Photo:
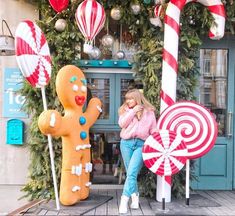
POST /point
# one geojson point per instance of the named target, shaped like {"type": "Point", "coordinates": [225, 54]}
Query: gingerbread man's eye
{"type": "Point", "coordinates": [83, 88]}
{"type": "Point", "coordinates": [73, 79]}
{"type": "Point", "coordinates": [84, 82]}
{"type": "Point", "coordinates": [75, 88]}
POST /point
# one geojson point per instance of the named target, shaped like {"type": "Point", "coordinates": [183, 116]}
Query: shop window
{"type": "Point", "coordinates": [213, 84]}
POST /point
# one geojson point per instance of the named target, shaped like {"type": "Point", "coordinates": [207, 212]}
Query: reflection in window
{"type": "Point", "coordinates": [106, 158]}
{"type": "Point", "coordinates": [126, 84]}
{"type": "Point", "coordinates": [100, 88]}
{"type": "Point", "coordinates": [213, 84]}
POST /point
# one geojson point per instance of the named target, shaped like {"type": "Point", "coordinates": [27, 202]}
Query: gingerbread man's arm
{"type": "Point", "coordinates": [93, 111]}
{"type": "Point", "coordinates": [51, 122]}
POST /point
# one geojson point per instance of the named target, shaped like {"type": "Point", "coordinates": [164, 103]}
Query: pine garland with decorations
{"type": "Point", "coordinates": [65, 41]}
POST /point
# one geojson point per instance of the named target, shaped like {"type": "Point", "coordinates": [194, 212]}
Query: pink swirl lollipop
{"type": "Point", "coordinates": [33, 54]}
{"type": "Point", "coordinates": [164, 153]}
{"type": "Point", "coordinates": [195, 124]}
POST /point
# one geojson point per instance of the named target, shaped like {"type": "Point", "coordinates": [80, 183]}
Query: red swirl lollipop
{"type": "Point", "coordinates": [164, 153]}
{"type": "Point", "coordinates": [195, 124]}
{"type": "Point", "coordinates": [33, 54]}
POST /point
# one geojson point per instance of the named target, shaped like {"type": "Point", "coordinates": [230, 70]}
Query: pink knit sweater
{"type": "Point", "coordinates": [134, 128]}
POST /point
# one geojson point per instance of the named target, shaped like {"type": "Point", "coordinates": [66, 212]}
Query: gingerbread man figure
{"type": "Point", "coordinates": [73, 127]}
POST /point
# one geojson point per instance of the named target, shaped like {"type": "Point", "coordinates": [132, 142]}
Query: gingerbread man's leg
{"type": "Point", "coordinates": [70, 187]}
{"type": "Point", "coordinates": [71, 177]}
{"type": "Point", "coordinates": [85, 178]}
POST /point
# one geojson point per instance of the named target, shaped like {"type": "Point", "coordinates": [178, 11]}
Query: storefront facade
{"type": "Point", "coordinates": [109, 80]}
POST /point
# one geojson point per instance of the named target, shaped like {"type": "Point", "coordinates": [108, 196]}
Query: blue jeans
{"type": "Point", "coordinates": [131, 150]}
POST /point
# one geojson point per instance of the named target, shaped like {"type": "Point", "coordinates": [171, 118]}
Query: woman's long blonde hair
{"type": "Point", "coordinates": [139, 98]}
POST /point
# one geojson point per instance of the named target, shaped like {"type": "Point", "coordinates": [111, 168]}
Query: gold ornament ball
{"type": "Point", "coordinates": [60, 25]}
{"type": "Point", "coordinates": [116, 13]}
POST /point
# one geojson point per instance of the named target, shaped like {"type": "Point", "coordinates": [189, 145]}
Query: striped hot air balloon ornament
{"type": "Point", "coordinates": [90, 17]}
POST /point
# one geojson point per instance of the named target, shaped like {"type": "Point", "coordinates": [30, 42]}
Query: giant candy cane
{"type": "Point", "coordinates": [170, 58]}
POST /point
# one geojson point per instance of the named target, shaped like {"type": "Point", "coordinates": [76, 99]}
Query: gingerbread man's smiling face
{"type": "Point", "coordinates": [71, 87]}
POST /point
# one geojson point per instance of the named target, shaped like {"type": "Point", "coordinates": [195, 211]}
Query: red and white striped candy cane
{"type": "Point", "coordinates": [170, 54]}
{"type": "Point", "coordinates": [171, 38]}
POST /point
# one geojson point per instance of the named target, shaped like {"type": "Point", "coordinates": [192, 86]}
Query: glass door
{"type": "Point", "coordinates": [104, 135]}
{"type": "Point", "coordinates": [216, 92]}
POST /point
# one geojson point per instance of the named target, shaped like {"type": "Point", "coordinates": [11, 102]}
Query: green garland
{"type": "Point", "coordinates": [147, 66]}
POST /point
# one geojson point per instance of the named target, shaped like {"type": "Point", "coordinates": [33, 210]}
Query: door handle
{"type": "Point", "coordinates": [229, 124]}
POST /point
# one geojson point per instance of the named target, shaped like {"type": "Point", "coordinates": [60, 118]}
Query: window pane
{"type": "Point", "coordinates": [100, 88]}
{"type": "Point", "coordinates": [213, 84]}
{"type": "Point", "coordinates": [126, 84]}
{"type": "Point", "coordinates": [108, 167]}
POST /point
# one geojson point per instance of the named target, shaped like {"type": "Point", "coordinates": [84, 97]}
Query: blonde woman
{"type": "Point", "coordinates": [137, 121]}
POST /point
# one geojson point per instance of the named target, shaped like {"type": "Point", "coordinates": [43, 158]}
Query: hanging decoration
{"type": "Point", "coordinates": [95, 53]}
{"type": "Point", "coordinates": [59, 5]}
{"type": "Point", "coordinates": [191, 20]}
{"type": "Point", "coordinates": [107, 40]}
{"type": "Point", "coordinates": [158, 15]}
{"type": "Point", "coordinates": [116, 13]}
{"type": "Point", "coordinates": [159, 11]}
{"type": "Point", "coordinates": [60, 25]}
{"type": "Point", "coordinates": [135, 8]}
{"type": "Point", "coordinates": [120, 54]}
{"type": "Point", "coordinates": [90, 17]}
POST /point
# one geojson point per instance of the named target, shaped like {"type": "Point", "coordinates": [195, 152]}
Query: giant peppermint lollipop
{"type": "Point", "coordinates": [165, 154]}
{"type": "Point", "coordinates": [33, 54]}
{"type": "Point", "coordinates": [34, 61]}
{"type": "Point", "coordinates": [195, 124]}
{"type": "Point", "coordinates": [197, 127]}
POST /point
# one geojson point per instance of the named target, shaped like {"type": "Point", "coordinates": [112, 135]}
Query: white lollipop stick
{"type": "Point", "coordinates": [187, 181]}
{"type": "Point", "coordinates": [163, 194]}
{"type": "Point", "coordinates": [51, 154]}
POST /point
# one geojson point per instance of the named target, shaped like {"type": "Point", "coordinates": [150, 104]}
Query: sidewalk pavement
{"type": "Point", "coordinates": [9, 198]}
{"type": "Point", "coordinates": [201, 203]}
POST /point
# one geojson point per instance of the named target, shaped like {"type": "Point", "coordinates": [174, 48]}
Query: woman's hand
{"type": "Point", "coordinates": [138, 108]}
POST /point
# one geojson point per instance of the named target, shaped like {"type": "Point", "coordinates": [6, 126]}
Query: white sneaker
{"type": "Point", "coordinates": [135, 201]}
{"type": "Point", "coordinates": [123, 204]}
